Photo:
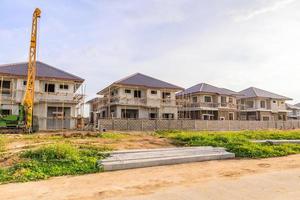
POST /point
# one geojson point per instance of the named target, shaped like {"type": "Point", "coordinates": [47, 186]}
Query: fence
{"type": "Point", "coordinates": [223, 125]}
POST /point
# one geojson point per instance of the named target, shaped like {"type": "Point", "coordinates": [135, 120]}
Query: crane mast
{"type": "Point", "coordinates": [28, 101]}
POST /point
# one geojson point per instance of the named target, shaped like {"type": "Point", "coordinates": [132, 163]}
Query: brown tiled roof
{"type": "Point", "coordinates": [253, 92]}
{"type": "Point", "coordinates": [207, 88]}
{"type": "Point", "coordinates": [42, 71]}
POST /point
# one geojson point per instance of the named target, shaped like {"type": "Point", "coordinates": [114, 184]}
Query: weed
{"type": "Point", "coordinates": [238, 142]}
{"type": "Point", "coordinates": [53, 160]}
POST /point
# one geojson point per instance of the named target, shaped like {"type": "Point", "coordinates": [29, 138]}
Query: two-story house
{"type": "Point", "coordinates": [258, 104]}
{"type": "Point", "coordinates": [294, 111]}
{"type": "Point", "coordinates": [136, 97]}
{"type": "Point", "coordinates": [207, 102]}
{"type": "Point", "coordinates": [56, 100]}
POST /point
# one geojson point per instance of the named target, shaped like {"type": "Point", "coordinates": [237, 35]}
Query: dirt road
{"type": "Point", "coordinates": [275, 178]}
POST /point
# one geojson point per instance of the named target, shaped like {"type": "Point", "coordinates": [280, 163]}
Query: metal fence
{"type": "Point", "coordinates": [222, 125]}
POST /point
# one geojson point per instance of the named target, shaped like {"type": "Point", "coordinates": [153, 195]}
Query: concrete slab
{"type": "Point", "coordinates": [155, 157]}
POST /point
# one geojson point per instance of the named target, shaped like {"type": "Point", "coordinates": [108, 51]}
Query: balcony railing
{"type": "Point", "coordinates": [254, 107]}
{"type": "Point", "coordinates": [206, 105]}
{"type": "Point", "coordinates": [150, 102]}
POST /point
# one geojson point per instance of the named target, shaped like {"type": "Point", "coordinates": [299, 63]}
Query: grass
{"type": "Point", "coordinates": [53, 160]}
{"type": "Point", "coordinates": [2, 144]}
{"type": "Point", "coordinates": [112, 135]}
{"type": "Point", "coordinates": [238, 142]}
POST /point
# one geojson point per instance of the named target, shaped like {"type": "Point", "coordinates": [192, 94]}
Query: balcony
{"type": "Point", "coordinates": [206, 105]}
{"type": "Point", "coordinates": [252, 108]}
{"type": "Point", "coordinates": [128, 101]}
{"type": "Point", "coordinates": [149, 102]}
{"type": "Point", "coordinates": [51, 97]}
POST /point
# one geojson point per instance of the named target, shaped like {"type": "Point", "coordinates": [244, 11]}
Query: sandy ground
{"type": "Point", "coordinates": [274, 178]}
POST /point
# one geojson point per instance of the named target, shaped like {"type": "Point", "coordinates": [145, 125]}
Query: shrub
{"type": "Point", "coordinates": [53, 160]}
{"type": "Point", "coordinates": [61, 152]}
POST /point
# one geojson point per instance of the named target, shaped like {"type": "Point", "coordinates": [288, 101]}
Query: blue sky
{"type": "Point", "coordinates": [227, 43]}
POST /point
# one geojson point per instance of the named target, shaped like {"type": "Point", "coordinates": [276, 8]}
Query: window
{"type": "Point", "coordinates": [207, 99]}
{"type": "Point", "coordinates": [274, 101]}
{"type": "Point", "coordinates": [230, 100]}
{"type": "Point", "coordinates": [231, 116]}
{"type": "Point", "coordinates": [127, 91]}
{"type": "Point", "coordinates": [250, 104]}
{"type": "Point", "coordinates": [63, 87]}
{"type": "Point", "coordinates": [168, 116]}
{"type": "Point", "coordinates": [49, 87]}
{"type": "Point", "coordinates": [114, 92]}
{"type": "Point", "coordinates": [137, 93]}
{"type": "Point", "coordinates": [262, 104]}
{"type": "Point", "coordinates": [130, 113]}
{"type": "Point", "coordinates": [223, 99]}
{"type": "Point", "coordinates": [266, 118]}
{"type": "Point", "coordinates": [195, 99]}
{"type": "Point", "coordinates": [153, 115]}
{"type": "Point", "coordinates": [5, 112]}
{"type": "Point", "coordinates": [24, 83]}
{"type": "Point", "coordinates": [5, 87]}
{"type": "Point", "coordinates": [153, 92]}
{"type": "Point", "coordinates": [166, 95]}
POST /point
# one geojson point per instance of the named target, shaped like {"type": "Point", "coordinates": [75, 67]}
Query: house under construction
{"type": "Point", "coordinates": [136, 97]}
{"type": "Point", "coordinates": [59, 97]}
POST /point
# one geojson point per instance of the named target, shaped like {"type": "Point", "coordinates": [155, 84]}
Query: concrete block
{"type": "Point", "coordinates": [156, 157]}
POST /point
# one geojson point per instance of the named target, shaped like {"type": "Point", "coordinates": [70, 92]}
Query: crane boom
{"type": "Point", "coordinates": [28, 101]}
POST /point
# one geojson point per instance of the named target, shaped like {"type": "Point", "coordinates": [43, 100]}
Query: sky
{"type": "Point", "coordinates": [227, 43]}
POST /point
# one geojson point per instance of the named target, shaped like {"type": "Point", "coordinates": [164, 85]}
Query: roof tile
{"type": "Point", "coordinates": [206, 88]}
{"type": "Point", "coordinates": [42, 71]}
{"type": "Point", "coordinates": [253, 92]}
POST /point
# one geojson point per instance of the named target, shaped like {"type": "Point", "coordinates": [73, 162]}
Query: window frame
{"type": "Point", "coordinates": [153, 92]}
{"type": "Point", "coordinates": [195, 99]}
{"type": "Point", "coordinates": [166, 95]}
{"type": "Point", "coordinates": [46, 87]}
{"type": "Point", "coordinates": [137, 94]}
{"type": "Point", "coordinates": [264, 103]}
{"type": "Point", "coordinates": [127, 91]}
{"type": "Point", "coordinates": [63, 86]}
{"type": "Point", "coordinates": [206, 96]}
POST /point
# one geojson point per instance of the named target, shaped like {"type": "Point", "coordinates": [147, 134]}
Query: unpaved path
{"type": "Point", "coordinates": [274, 178]}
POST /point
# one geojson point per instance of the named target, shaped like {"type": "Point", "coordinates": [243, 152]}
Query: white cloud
{"type": "Point", "coordinates": [270, 7]}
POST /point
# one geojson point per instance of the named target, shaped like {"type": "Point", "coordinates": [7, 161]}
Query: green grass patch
{"type": "Point", "coordinates": [53, 160]}
{"type": "Point", "coordinates": [112, 135]}
{"type": "Point", "coordinates": [238, 142]}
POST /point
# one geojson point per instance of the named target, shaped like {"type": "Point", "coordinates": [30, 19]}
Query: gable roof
{"type": "Point", "coordinates": [253, 92]}
{"type": "Point", "coordinates": [292, 107]}
{"type": "Point", "coordinates": [92, 100]}
{"type": "Point", "coordinates": [143, 80]}
{"type": "Point", "coordinates": [207, 88]}
{"type": "Point", "coordinates": [298, 105]}
{"type": "Point", "coordinates": [42, 71]}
